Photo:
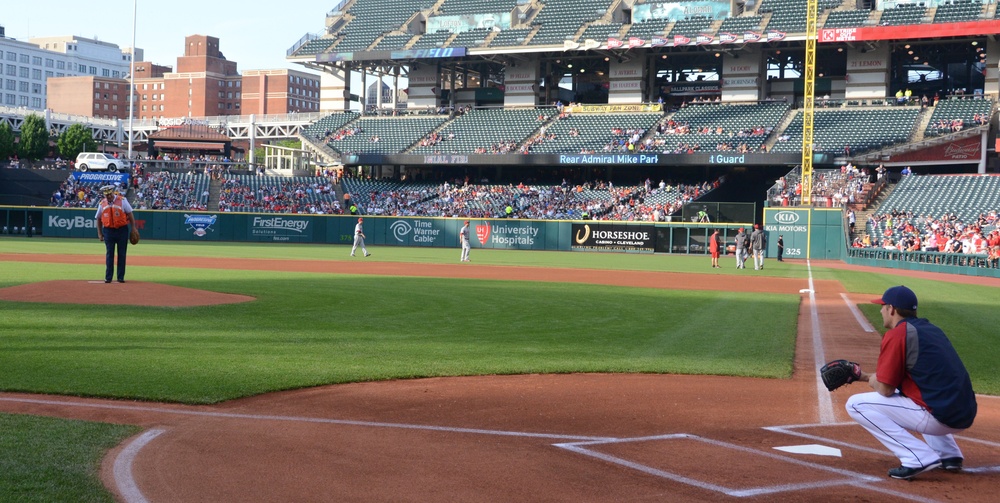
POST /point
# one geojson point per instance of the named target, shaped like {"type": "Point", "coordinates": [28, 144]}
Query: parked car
{"type": "Point", "coordinates": [97, 161]}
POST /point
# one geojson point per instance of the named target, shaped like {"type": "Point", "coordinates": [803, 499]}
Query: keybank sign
{"type": "Point", "coordinates": [70, 223]}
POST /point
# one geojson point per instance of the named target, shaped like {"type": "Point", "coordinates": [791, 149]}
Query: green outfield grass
{"type": "Point", "coordinates": [312, 329]}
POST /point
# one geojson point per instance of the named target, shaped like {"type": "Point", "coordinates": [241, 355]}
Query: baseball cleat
{"type": "Point", "coordinates": [368, 254]}
{"type": "Point", "coordinates": [907, 473]}
{"type": "Point", "coordinates": [952, 464]}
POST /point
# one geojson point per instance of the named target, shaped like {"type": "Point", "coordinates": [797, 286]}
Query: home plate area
{"type": "Point", "coordinates": [790, 458]}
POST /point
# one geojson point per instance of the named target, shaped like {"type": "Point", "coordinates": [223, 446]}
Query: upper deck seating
{"type": "Point", "coordinates": [858, 129]}
{"type": "Point", "coordinates": [954, 114]}
{"type": "Point", "coordinates": [384, 135]}
{"type": "Point", "coordinates": [589, 133]}
{"type": "Point", "coordinates": [717, 126]}
{"type": "Point", "coordinates": [482, 131]}
{"type": "Point", "coordinates": [957, 11]}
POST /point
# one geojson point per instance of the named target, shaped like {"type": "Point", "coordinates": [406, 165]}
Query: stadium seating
{"type": "Point", "coordinates": [481, 129]}
{"type": "Point", "coordinates": [965, 196]}
{"type": "Point", "coordinates": [316, 46]}
{"type": "Point", "coordinates": [739, 25]}
{"type": "Point", "coordinates": [512, 37]}
{"type": "Point", "coordinates": [965, 110]}
{"type": "Point", "coordinates": [788, 16]}
{"type": "Point", "coordinates": [278, 194]}
{"type": "Point", "coordinates": [432, 40]}
{"type": "Point", "coordinates": [736, 121]}
{"type": "Point", "coordinates": [691, 26]}
{"type": "Point", "coordinates": [648, 29]}
{"type": "Point", "coordinates": [601, 32]}
{"type": "Point", "coordinates": [559, 20]}
{"type": "Point", "coordinates": [329, 124]}
{"type": "Point", "coordinates": [172, 191]}
{"type": "Point", "coordinates": [393, 42]}
{"type": "Point", "coordinates": [591, 133]}
{"type": "Point", "coordinates": [957, 11]}
{"type": "Point", "coordinates": [903, 14]}
{"type": "Point", "coordinates": [847, 18]}
{"type": "Point", "coordinates": [457, 7]}
{"type": "Point", "coordinates": [860, 129]}
{"type": "Point", "coordinates": [369, 20]}
{"type": "Point", "coordinates": [471, 38]}
{"type": "Point", "coordinates": [385, 135]}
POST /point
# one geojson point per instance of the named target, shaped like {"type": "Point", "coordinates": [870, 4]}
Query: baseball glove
{"type": "Point", "coordinates": [133, 237]}
{"type": "Point", "coordinates": [839, 372]}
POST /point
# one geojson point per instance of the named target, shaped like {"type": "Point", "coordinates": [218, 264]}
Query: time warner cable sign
{"type": "Point", "coordinates": [595, 236]}
{"type": "Point", "coordinates": [273, 228]}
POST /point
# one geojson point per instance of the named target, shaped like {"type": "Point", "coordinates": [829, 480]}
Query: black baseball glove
{"type": "Point", "coordinates": [839, 372]}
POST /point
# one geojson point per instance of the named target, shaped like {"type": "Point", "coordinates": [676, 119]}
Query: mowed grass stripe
{"type": "Point", "coordinates": [307, 330]}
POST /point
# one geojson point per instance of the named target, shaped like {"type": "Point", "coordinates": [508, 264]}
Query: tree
{"type": "Point", "coordinates": [7, 147]}
{"type": "Point", "coordinates": [77, 138]}
{"type": "Point", "coordinates": [34, 138]}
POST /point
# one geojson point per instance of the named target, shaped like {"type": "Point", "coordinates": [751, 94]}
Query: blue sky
{"type": "Point", "coordinates": [253, 33]}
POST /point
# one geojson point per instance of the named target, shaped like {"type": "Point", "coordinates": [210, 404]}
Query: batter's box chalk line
{"type": "Point", "coordinates": [848, 477]}
{"type": "Point", "coordinates": [790, 430]}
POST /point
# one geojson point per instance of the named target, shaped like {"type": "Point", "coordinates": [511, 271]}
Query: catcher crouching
{"type": "Point", "coordinates": [920, 385]}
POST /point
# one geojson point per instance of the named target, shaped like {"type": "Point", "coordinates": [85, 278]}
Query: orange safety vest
{"type": "Point", "coordinates": [113, 216]}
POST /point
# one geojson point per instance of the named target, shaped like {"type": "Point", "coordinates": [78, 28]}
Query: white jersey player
{"type": "Point", "coordinates": [463, 236]}
{"type": "Point", "coordinates": [359, 238]}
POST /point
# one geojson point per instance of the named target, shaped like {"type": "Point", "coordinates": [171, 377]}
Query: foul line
{"type": "Point", "coordinates": [867, 327]}
{"type": "Point", "coordinates": [233, 415]}
{"type": "Point", "coordinates": [825, 403]}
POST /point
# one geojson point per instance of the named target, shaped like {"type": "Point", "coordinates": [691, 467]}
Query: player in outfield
{"type": "Point", "coordinates": [921, 385]}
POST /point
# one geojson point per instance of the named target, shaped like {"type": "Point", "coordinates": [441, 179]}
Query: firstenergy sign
{"type": "Point", "coordinates": [597, 236]}
{"type": "Point", "coordinates": [280, 229]}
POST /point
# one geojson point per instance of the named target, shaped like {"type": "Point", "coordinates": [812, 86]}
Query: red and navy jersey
{"type": "Point", "coordinates": [919, 360]}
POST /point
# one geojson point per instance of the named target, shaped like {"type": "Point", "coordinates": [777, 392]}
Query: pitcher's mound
{"type": "Point", "coordinates": [131, 293]}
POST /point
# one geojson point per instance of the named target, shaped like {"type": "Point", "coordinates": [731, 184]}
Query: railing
{"type": "Point", "coordinates": [953, 263]}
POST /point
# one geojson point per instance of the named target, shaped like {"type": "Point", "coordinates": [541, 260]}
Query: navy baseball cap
{"type": "Point", "coordinates": [899, 297]}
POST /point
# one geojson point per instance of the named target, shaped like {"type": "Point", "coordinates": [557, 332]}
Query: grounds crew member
{"type": "Point", "coordinates": [114, 219]}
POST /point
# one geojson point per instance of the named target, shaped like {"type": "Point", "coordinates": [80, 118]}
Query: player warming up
{"type": "Point", "coordinates": [359, 238]}
{"type": "Point", "coordinates": [463, 236]}
{"type": "Point", "coordinates": [921, 385]}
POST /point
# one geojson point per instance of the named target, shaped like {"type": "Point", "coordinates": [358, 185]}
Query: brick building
{"type": "Point", "coordinates": [100, 97]}
{"type": "Point", "coordinates": [279, 92]}
{"type": "Point", "coordinates": [203, 84]}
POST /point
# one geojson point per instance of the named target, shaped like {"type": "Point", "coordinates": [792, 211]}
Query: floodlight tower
{"type": "Point", "coordinates": [809, 98]}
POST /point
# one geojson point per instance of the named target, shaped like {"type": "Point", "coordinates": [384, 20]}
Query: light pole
{"type": "Point", "coordinates": [131, 86]}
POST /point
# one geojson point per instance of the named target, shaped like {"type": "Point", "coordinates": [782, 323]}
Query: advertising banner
{"type": "Point", "coordinates": [279, 228]}
{"type": "Point", "coordinates": [676, 11]}
{"type": "Point", "coordinates": [102, 178]}
{"type": "Point", "coordinates": [613, 237]}
{"type": "Point", "coordinates": [468, 22]}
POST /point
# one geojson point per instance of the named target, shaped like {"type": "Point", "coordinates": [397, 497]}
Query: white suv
{"type": "Point", "coordinates": [97, 161]}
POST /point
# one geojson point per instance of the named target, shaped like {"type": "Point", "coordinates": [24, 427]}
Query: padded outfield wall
{"type": "Point", "coordinates": [511, 234]}
{"type": "Point", "coordinates": [808, 232]}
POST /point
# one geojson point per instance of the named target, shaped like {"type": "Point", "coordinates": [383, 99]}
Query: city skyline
{"type": "Point", "coordinates": [255, 38]}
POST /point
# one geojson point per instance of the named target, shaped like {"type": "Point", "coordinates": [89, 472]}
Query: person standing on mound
{"type": "Point", "coordinates": [114, 218]}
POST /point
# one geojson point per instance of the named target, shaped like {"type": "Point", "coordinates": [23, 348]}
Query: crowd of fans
{"type": "Point", "coordinates": [315, 196]}
{"type": "Point", "coordinates": [598, 200]}
{"type": "Point", "coordinates": [904, 231]}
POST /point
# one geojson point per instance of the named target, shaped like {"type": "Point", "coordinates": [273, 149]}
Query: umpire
{"type": "Point", "coordinates": [114, 217]}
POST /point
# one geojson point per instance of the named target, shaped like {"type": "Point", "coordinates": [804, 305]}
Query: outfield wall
{"type": "Point", "coordinates": [510, 234]}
